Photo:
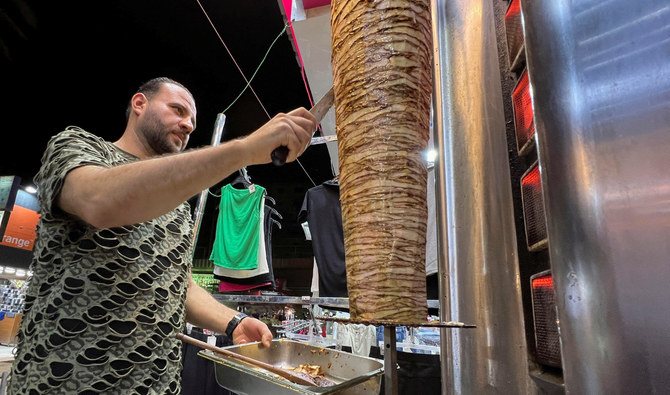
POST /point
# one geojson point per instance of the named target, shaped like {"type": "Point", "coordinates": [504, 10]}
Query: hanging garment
{"type": "Point", "coordinates": [236, 241]}
{"type": "Point", "coordinates": [258, 280]}
{"type": "Point", "coordinates": [262, 262]}
{"type": "Point", "coordinates": [314, 286]}
{"type": "Point", "coordinates": [359, 337]}
{"type": "Point", "coordinates": [323, 213]}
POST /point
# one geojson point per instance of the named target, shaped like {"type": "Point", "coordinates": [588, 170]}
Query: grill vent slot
{"type": "Point", "coordinates": [547, 340]}
{"type": "Point", "coordinates": [523, 115]}
{"type": "Point", "coordinates": [533, 209]}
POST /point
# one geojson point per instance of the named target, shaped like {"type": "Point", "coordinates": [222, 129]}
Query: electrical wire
{"type": "Point", "coordinates": [248, 81]}
{"type": "Point", "coordinates": [232, 57]}
{"type": "Point", "coordinates": [256, 71]}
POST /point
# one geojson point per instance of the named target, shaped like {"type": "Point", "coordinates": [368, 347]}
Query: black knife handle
{"type": "Point", "coordinates": [279, 155]}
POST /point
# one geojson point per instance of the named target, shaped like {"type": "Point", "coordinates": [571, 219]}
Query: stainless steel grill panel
{"type": "Point", "coordinates": [600, 73]}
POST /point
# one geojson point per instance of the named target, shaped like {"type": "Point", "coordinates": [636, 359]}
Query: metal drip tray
{"type": "Point", "coordinates": [352, 374]}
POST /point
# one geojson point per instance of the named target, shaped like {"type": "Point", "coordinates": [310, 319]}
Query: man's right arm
{"type": "Point", "coordinates": [146, 189]}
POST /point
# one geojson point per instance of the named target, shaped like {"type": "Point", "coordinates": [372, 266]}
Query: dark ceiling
{"type": "Point", "coordinates": [79, 62]}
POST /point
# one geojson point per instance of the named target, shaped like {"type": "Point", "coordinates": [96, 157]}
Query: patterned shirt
{"type": "Point", "coordinates": [103, 305]}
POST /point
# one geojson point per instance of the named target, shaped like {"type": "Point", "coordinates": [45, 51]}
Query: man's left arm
{"type": "Point", "coordinates": [203, 311]}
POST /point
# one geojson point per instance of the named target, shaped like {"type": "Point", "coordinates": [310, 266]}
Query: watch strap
{"type": "Point", "coordinates": [234, 322]}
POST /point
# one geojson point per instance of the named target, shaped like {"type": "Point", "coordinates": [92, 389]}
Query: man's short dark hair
{"type": "Point", "coordinates": [151, 88]}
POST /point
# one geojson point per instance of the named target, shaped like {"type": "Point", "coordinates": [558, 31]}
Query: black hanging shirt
{"type": "Point", "coordinates": [322, 210]}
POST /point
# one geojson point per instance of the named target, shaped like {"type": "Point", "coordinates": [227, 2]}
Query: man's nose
{"type": "Point", "coordinates": [186, 125]}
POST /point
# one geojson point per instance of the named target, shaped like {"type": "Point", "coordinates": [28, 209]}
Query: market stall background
{"type": "Point", "coordinates": [78, 63]}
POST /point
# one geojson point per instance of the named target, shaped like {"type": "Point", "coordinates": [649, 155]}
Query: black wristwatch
{"type": "Point", "coordinates": [234, 322]}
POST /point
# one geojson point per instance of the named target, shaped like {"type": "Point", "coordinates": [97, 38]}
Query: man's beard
{"type": "Point", "coordinates": [156, 134]}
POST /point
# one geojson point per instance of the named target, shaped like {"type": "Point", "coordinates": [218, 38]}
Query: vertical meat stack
{"type": "Point", "coordinates": [381, 54]}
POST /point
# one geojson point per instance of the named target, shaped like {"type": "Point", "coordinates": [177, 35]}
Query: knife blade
{"type": "Point", "coordinates": [319, 111]}
{"type": "Point", "coordinates": [322, 140]}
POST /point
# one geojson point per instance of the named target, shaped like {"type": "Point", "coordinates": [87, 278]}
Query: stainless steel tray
{"type": "Point", "coordinates": [353, 374]}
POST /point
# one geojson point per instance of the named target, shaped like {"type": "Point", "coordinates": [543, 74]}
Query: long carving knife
{"type": "Point", "coordinates": [319, 111]}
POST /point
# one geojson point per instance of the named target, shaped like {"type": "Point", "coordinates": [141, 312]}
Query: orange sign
{"type": "Point", "coordinates": [21, 228]}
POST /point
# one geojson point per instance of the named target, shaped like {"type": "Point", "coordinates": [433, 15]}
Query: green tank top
{"type": "Point", "coordinates": [238, 228]}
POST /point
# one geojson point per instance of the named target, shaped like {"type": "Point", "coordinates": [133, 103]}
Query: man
{"type": "Point", "coordinates": [111, 284]}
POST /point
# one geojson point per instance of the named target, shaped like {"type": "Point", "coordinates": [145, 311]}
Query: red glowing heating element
{"type": "Point", "coordinates": [514, 29]}
{"type": "Point", "coordinates": [514, 11]}
{"type": "Point", "coordinates": [543, 282]}
{"type": "Point", "coordinates": [533, 209]}
{"type": "Point", "coordinates": [547, 338]}
{"type": "Point", "coordinates": [532, 179]}
{"type": "Point", "coordinates": [523, 114]}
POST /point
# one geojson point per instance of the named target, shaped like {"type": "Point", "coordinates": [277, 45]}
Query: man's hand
{"type": "Point", "coordinates": [293, 130]}
{"type": "Point", "coordinates": [203, 311]}
{"type": "Point", "coordinates": [250, 330]}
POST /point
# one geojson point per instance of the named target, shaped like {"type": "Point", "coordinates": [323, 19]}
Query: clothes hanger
{"type": "Point", "coordinates": [274, 221]}
{"type": "Point", "coordinates": [275, 212]}
{"type": "Point", "coordinates": [243, 172]}
{"type": "Point", "coordinates": [242, 179]}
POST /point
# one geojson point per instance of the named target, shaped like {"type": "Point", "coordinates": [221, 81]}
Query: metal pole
{"type": "Point", "coordinates": [202, 199]}
{"type": "Point", "coordinates": [390, 361]}
{"type": "Point", "coordinates": [477, 261]}
{"type": "Point", "coordinates": [438, 11]}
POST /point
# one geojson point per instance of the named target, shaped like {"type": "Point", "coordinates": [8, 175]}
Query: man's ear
{"type": "Point", "coordinates": [138, 103]}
